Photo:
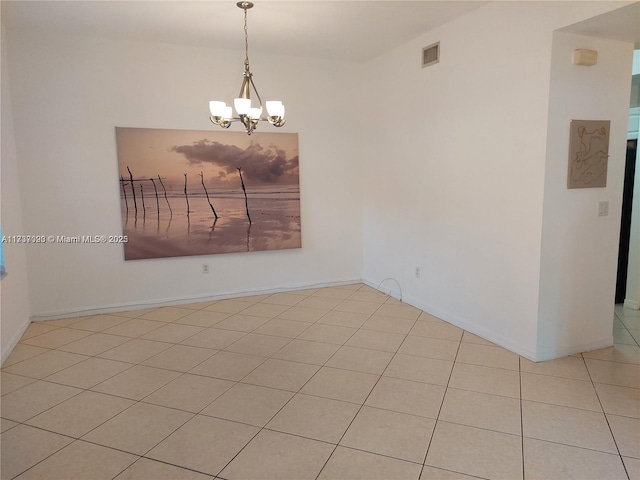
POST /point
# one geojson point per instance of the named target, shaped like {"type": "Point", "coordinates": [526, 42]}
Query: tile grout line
{"type": "Point", "coordinates": [193, 415]}
{"type": "Point", "coordinates": [288, 401]}
{"type": "Point", "coordinates": [136, 401]}
{"type": "Point", "coordinates": [605, 417]}
{"type": "Point", "coordinates": [444, 396]}
{"type": "Point", "coordinates": [236, 382]}
{"type": "Point", "coordinates": [82, 389]}
{"type": "Point", "coordinates": [521, 418]}
{"type": "Point", "coordinates": [91, 333]}
{"type": "Point", "coordinates": [131, 365]}
{"type": "Point", "coordinates": [588, 449]}
{"type": "Point", "coordinates": [48, 456]}
{"type": "Point", "coordinates": [366, 398]}
{"type": "Point", "coordinates": [637, 343]}
{"type": "Point", "coordinates": [159, 461]}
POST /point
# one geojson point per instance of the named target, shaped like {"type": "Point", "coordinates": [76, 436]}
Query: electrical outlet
{"type": "Point", "coordinates": [205, 268]}
{"type": "Point", "coordinates": [417, 272]}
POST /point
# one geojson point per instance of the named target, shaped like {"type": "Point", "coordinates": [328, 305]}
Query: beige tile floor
{"type": "Point", "coordinates": [340, 382]}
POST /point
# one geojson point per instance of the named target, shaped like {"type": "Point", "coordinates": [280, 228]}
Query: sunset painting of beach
{"type": "Point", "coordinates": [190, 192]}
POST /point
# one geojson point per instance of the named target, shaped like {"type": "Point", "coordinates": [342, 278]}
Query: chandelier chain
{"type": "Point", "coordinates": [246, 39]}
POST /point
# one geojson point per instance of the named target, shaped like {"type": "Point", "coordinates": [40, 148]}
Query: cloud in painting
{"type": "Point", "coordinates": [260, 165]}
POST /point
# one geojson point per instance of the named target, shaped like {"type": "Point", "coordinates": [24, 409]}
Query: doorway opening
{"type": "Point", "coordinates": [625, 223]}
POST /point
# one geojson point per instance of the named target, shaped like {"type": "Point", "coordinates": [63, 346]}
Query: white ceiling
{"type": "Point", "coordinates": [338, 29]}
{"type": "Point", "coordinates": [348, 30]}
{"type": "Point", "coordinates": [622, 24]}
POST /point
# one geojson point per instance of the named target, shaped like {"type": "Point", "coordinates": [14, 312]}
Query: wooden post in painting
{"type": "Point", "coordinates": [157, 202]}
{"type": "Point", "coordinates": [133, 190]}
{"type": "Point", "coordinates": [165, 195]}
{"type": "Point", "coordinates": [124, 191]}
{"type": "Point", "coordinates": [185, 193]}
{"type": "Point", "coordinates": [246, 203]}
{"type": "Point", "coordinates": [207, 194]}
{"type": "Point", "coordinates": [144, 209]}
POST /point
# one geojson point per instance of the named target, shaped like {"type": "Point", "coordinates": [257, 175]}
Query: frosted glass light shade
{"type": "Point", "coordinates": [227, 113]}
{"type": "Point", "coordinates": [255, 112]}
{"type": "Point", "coordinates": [217, 108]}
{"type": "Point", "coordinates": [275, 108]}
{"type": "Point", "coordinates": [242, 105]}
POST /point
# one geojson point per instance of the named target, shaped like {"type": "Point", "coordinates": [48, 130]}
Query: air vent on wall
{"type": "Point", "coordinates": [431, 54]}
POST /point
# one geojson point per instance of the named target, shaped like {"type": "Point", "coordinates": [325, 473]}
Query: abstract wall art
{"type": "Point", "coordinates": [588, 153]}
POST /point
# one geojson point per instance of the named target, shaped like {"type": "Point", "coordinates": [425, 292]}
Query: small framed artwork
{"type": "Point", "coordinates": [588, 153]}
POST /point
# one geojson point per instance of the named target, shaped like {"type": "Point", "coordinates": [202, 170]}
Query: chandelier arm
{"type": "Point", "coordinates": [255, 90]}
{"type": "Point", "coordinates": [245, 88]}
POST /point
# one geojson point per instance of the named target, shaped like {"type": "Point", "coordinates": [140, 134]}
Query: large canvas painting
{"type": "Point", "coordinates": [186, 192]}
{"type": "Point", "coordinates": [588, 153]}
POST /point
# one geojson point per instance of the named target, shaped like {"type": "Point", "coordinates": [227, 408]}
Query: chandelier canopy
{"type": "Point", "coordinates": [249, 115]}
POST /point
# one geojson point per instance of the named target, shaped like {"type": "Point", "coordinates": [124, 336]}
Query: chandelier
{"type": "Point", "coordinates": [248, 114]}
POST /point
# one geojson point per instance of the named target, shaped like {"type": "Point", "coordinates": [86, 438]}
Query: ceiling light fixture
{"type": "Point", "coordinates": [249, 115]}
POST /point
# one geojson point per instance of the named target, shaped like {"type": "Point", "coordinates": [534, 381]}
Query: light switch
{"type": "Point", "coordinates": [603, 209]}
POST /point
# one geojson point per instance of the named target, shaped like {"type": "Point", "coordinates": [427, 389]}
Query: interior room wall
{"type": "Point", "coordinates": [71, 91]}
{"type": "Point", "coordinates": [579, 247]}
{"type": "Point", "coordinates": [456, 168]}
{"type": "Point", "coordinates": [14, 307]}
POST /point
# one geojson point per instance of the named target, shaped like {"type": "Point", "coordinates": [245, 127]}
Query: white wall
{"type": "Point", "coordinates": [68, 95]}
{"type": "Point", "coordinates": [456, 168]}
{"type": "Point", "coordinates": [14, 307]}
{"type": "Point", "coordinates": [579, 248]}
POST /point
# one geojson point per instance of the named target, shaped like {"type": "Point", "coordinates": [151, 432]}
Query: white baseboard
{"type": "Point", "coordinates": [458, 322]}
{"type": "Point", "coordinates": [549, 353]}
{"type": "Point", "coordinates": [632, 304]}
{"type": "Point", "coordinates": [390, 287]}
{"type": "Point", "coordinates": [121, 307]}
{"type": "Point", "coordinates": [537, 354]}
{"type": "Point", "coordinates": [14, 341]}
{"type": "Point", "coordinates": [476, 329]}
